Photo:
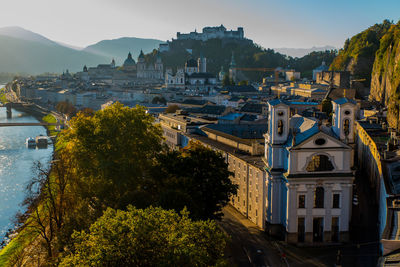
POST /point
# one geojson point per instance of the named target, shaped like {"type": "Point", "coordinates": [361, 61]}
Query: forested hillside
{"type": "Point", "coordinates": [246, 53]}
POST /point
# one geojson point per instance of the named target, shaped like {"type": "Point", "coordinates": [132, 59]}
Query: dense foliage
{"type": "Point", "coordinates": [197, 178]}
{"type": "Point", "coordinates": [150, 237]}
{"type": "Point", "coordinates": [112, 159]}
{"type": "Point", "coordinates": [358, 53]}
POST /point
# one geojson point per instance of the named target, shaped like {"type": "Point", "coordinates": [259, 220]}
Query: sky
{"type": "Point", "coordinates": [269, 23]}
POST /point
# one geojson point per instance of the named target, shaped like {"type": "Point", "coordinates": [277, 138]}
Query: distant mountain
{"type": "Point", "coordinates": [23, 51]}
{"type": "Point", "coordinates": [17, 55]}
{"type": "Point", "coordinates": [21, 33]}
{"type": "Point", "coordinates": [119, 48]}
{"type": "Point", "coordinates": [301, 52]}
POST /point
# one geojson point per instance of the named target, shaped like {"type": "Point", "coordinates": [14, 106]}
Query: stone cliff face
{"type": "Point", "coordinates": [385, 76]}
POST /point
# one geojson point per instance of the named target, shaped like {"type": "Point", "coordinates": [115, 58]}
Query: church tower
{"type": "Point", "coordinates": [141, 66]}
{"type": "Point", "coordinates": [159, 68]}
{"type": "Point", "coordinates": [232, 68]}
{"type": "Point", "coordinates": [202, 64]}
{"type": "Point", "coordinates": [344, 116]}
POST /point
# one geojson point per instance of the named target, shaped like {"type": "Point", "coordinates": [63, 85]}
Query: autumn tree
{"type": "Point", "coordinates": [172, 109]}
{"type": "Point", "coordinates": [150, 237]}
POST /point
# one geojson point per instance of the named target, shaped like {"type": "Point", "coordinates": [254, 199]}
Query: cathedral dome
{"type": "Point", "coordinates": [129, 61]}
{"type": "Point", "coordinates": [191, 63]}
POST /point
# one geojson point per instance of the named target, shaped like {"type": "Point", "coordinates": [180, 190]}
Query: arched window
{"type": "Point", "coordinates": [319, 163]}
{"type": "Point", "coordinates": [346, 126]}
{"type": "Point", "coordinates": [280, 127]}
{"type": "Point", "coordinates": [319, 197]}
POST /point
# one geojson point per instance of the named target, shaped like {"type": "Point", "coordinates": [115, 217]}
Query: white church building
{"type": "Point", "coordinates": [309, 174]}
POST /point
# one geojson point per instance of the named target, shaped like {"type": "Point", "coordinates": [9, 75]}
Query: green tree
{"type": "Point", "coordinates": [327, 106]}
{"type": "Point", "coordinates": [111, 151]}
{"type": "Point", "coordinates": [196, 178]}
{"type": "Point", "coordinates": [150, 237]}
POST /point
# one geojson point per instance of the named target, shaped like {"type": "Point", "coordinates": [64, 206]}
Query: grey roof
{"type": "Point", "coordinates": [278, 101]}
{"type": "Point", "coordinates": [253, 108]}
{"type": "Point", "coordinates": [244, 131]}
{"type": "Point", "coordinates": [207, 109]}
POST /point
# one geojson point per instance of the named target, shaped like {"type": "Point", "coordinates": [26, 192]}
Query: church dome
{"type": "Point", "coordinates": [129, 61]}
{"type": "Point", "coordinates": [191, 63]}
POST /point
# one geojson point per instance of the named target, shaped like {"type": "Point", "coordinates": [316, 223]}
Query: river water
{"type": "Point", "coordinates": [16, 162]}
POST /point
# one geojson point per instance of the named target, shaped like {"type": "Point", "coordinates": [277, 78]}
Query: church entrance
{"type": "Point", "coordinates": [318, 229]}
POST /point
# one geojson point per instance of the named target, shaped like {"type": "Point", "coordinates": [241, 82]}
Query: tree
{"type": "Point", "coordinates": [226, 81]}
{"type": "Point", "coordinates": [150, 237]}
{"type": "Point", "coordinates": [66, 108]}
{"type": "Point", "coordinates": [111, 151]}
{"type": "Point", "coordinates": [159, 100]}
{"type": "Point", "coordinates": [172, 109]}
{"type": "Point", "coordinates": [327, 106]}
{"type": "Point", "coordinates": [48, 200]}
{"type": "Point", "coordinates": [196, 178]}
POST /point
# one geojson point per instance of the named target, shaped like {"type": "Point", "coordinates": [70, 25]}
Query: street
{"type": "Point", "coordinates": [246, 236]}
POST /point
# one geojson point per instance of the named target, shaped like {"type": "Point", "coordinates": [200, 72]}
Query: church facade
{"type": "Point", "coordinates": [309, 174]}
{"type": "Point", "coordinates": [194, 77]}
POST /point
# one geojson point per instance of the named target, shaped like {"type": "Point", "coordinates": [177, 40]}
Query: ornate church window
{"type": "Point", "coordinates": [346, 126]}
{"type": "Point", "coordinates": [280, 113]}
{"type": "Point", "coordinates": [280, 127]}
{"type": "Point", "coordinates": [319, 163]}
{"type": "Point", "coordinates": [347, 112]}
{"type": "Point", "coordinates": [319, 197]}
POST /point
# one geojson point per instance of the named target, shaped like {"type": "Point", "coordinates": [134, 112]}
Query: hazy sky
{"type": "Point", "coordinates": [270, 23]}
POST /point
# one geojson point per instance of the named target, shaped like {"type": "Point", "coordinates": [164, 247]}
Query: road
{"type": "Point", "coordinates": [246, 235]}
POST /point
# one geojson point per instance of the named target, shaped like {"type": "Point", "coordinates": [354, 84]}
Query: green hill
{"type": "Point", "coordinates": [119, 48]}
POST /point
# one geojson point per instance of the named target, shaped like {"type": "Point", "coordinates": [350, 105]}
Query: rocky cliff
{"type": "Point", "coordinates": [385, 76]}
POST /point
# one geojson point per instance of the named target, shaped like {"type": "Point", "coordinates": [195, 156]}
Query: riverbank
{"type": "Point", "coordinates": [18, 175]}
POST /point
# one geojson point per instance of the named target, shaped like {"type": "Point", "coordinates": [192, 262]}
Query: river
{"type": "Point", "coordinates": [16, 162]}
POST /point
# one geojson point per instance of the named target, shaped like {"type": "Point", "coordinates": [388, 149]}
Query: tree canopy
{"type": "Point", "coordinates": [150, 237]}
{"type": "Point", "coordinates": [112, 150]}
{"type": "Point", "coordinates": [196, 178]}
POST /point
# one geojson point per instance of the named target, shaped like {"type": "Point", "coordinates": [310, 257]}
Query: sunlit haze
{"type": "Point", "coordinates": [270, 23]}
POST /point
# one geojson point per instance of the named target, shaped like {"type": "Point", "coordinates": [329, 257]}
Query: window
{"type": "Point", "coordinates": [319, 197]}
{"type": "Point", "coordinates": [320, 141]}
{"type": "Point", "coordinates": [256, 213]}
{"type": "Point", "coordinates": [319, 163]}
{"type": "Point", "coordinates": [256, 199]}
{"type": "Point", "coordinates": [280, 127]}
{"type": "Point", "coordinates": [302, 201]}
{"type": "Point", "coordinates": [346, 126]}
{"type": "Point", "coordinates": [336, 201]}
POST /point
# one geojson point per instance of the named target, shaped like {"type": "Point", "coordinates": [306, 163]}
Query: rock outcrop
{"type": "Point", "coordinates": [385, 76]}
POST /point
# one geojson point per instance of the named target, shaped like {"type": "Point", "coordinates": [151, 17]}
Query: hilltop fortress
{"type": "Point", "coordinates": [219, 32]}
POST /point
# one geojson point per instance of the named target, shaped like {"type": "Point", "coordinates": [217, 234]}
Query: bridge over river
{"type": "Point", "coordinates": [10, 105]}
